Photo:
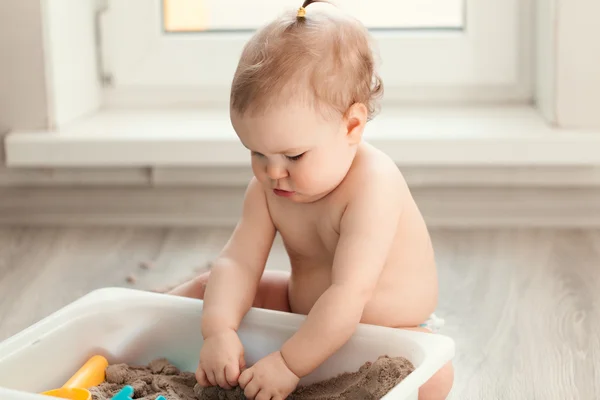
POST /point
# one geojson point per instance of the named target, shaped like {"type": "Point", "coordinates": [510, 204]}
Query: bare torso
{"type": "Point", "coordinates": [406, 293]}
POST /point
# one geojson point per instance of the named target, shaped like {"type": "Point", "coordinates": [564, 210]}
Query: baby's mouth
{"type": "Point", "coordinates": [283, 193]}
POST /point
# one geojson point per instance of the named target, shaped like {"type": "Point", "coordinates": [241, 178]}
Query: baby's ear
{"type": "Point", "coordinates": [355, 120]}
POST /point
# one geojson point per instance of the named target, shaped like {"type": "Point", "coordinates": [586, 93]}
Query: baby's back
{"type": "Point", "coordinates": [406, 293]}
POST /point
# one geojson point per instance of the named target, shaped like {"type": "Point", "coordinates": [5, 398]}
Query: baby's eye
{"type": "Point", "coordinates": [254, 153]}
{"type": "Point", "coordinates": [295, 158]}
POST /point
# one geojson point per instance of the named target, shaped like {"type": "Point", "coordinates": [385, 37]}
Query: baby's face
{"type": "Point", "coordinates": [296, 153]}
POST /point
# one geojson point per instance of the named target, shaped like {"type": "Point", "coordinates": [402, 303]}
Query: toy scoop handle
{"type": "Point", "coordinates": [92, 373]}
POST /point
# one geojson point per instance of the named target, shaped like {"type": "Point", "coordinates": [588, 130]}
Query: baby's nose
{"type": "Point", "coordinates": [276, 172]}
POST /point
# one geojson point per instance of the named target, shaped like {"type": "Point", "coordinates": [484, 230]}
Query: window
{"type": "Point", "coordinates": [431, 50]}
{"type": "Point", "coordinates": [215, 15]}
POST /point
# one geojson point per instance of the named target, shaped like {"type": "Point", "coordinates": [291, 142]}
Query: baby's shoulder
{"type": "Point", "coordinates": [375, 189]}
{"type": "Point", "coordinates": [375, 169]}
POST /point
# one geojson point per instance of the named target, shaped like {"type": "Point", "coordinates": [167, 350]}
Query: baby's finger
{"type": "Point", "coordinates": [263, 395]}
{"type": "Point", "coordinates": [251, 390]}
{"type": "Point", "coordinates": [221, 380]}
{"type": "Point", "coordinates": [201, 378]}
{"type": "Point", "coordinates": [210, 375]}
{"type": "Point", "coordinates": [242, 362]}
{"type": "Point", "coordinates": [232, 373]}
{"type": "Point", "coordinates": [245, 378]}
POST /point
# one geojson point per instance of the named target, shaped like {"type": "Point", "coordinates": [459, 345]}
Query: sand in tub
{"type": "Point", "coordinates": [372, 381]}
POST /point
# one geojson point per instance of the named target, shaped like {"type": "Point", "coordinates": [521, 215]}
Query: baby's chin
{"type": "Point", "coordinates": [304, 194]}
{"type": "Point", "coordinates": [311, 196]}
{"type": "Point", "coordinates": [302, 198]}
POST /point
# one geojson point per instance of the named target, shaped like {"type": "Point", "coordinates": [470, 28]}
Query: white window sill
{"type": "Point", "coordinates": [467, 136]}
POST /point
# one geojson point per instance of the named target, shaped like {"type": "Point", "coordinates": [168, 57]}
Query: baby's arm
{"type": "Point", "coordinates": [367, 230]}
{"type": "Point", "coordinates": [237, 271]}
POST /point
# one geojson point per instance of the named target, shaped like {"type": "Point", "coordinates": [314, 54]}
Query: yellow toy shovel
{"type": "Point", "coordinates": [92, 373]}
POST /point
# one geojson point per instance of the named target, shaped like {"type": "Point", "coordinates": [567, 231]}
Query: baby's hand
{"type": "Point", "coordinates": [269, 379]}
{"type": "Point", "coordinates": [221, 360]}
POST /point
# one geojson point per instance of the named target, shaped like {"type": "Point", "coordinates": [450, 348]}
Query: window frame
{"type": "Point", "coordinates": [481, 63]}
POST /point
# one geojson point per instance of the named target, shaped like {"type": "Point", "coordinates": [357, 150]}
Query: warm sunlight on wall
{"type": "Point", "coordinates": [232, 15]}
{"type": "Point", "coordinates": [185, 15]}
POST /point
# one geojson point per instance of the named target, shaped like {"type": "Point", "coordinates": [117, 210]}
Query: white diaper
{"type": "Point", "coordinates": [433, 323]}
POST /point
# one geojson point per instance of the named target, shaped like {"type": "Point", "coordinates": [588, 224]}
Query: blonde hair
{"type": "Point", "coordinates": [319, 57]}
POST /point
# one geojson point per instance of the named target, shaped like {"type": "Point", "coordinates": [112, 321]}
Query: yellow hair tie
{"type": "Point", "coordinates": [301, 12]}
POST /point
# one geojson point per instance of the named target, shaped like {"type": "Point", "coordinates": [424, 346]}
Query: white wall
{"type": "Point", "coordinates": [47, 63]}
{"type": "Point", "coordinates": [578, 69]}
{"type": "Point", "coordinates": [22, 78]}
{"type": "Point", "coordinates": [71, 70]}
{"type": "Point", "coordinates": [545, 71]}
{"type": "Point", "coordinates": [568, 62]}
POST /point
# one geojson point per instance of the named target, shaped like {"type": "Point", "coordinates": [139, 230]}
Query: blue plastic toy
{"type": "Point", "coordinates": [127, 391]}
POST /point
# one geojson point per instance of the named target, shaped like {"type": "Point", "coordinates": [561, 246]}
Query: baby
{"type": "Point", "coordinates": [359, 249]}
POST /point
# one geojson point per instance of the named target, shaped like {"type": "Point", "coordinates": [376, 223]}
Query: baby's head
{"type": "Point", "coordinates": [303, 91]}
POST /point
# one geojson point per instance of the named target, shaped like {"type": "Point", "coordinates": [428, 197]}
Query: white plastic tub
{"type": "Point", "coordinates": [136, 327]}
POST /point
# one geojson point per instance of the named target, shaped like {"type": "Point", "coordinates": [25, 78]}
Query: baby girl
{"type": "Point", "coordinates": [360, 252]}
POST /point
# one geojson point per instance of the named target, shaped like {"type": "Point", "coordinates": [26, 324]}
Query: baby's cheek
{"type": "Point", "coordinates": [314, 176]}
{"type": "Point", "coordinates": [306, 175]}
{"type": "Point", "coordinates": [258, 170]}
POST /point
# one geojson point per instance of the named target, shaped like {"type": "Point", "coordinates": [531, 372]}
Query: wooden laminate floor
{"type": "Point", "coordinates": [522, 305]}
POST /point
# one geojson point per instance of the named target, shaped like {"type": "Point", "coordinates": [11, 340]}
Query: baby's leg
{"type": "Point", "coordinates": [439, 385]}
{"type": "Point", "coordinates": [272, 291]}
